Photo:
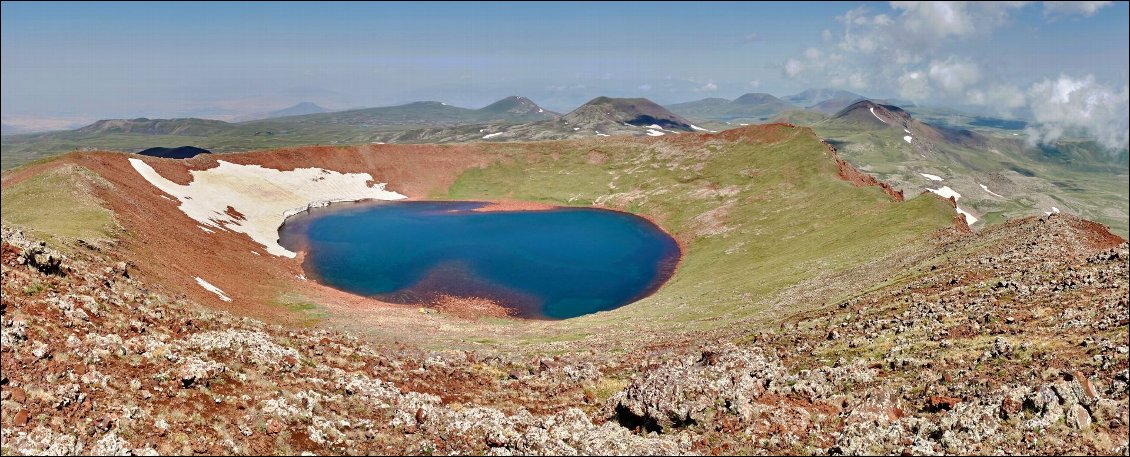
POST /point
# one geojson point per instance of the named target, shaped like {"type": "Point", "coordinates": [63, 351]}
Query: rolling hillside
{"type": "Point", "coordinates": [998, 177]}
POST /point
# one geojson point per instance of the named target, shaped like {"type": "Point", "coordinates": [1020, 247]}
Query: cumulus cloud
{"type": "Point", "coordinates": [1001, 98]}
{"type": "Point", "coordinates": [1052, 9]}
{"type": "Point", "coordinates": [880, 49]}
{"type": "Point", "coordinates": [1080, 105]}
{"type": "Point", "coordinates": [708, 87]}
{"type": "Point", "coordinates": [755, 84]}
{"type": "Point", "coordinates": [914, 86]}
{"type": "Point", "coordinates": [954, 75]}
{"type": "Point", "coordinates": [917, 49]}
{"type": "Point", "coordinates": [793, 67]}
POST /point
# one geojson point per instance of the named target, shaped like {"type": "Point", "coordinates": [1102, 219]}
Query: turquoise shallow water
{"type": "Point", "coordinates": [552, 264]}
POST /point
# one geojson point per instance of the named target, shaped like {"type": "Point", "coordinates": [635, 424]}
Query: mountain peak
{"type": "Point", "coordinates": [883, 113]}
{"type": "Point", "coordinates": [633, 111]}
{"type": "Point", "coordinates": [297, 110]}
{"type": "Point", "coordinates": [756, 99]}
{"type": "Point", "coordinates": [517, 105]}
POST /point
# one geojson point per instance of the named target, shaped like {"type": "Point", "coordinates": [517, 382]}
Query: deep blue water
{"type": "Point", "coordinates": [554, 264]}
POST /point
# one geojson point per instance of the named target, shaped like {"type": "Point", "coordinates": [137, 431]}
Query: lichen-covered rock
{"type": "Point", "coordinates": [685, 391]}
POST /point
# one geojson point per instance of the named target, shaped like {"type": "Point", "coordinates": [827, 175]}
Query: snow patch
{"type": "Point", "coordinates": [213, 289]}
{"type": "Point", "coordinates": [205, 229]}
{"type": "Point", "coordinates": [695, 127]}
{"type": "Point", "coordinates": [743, 125]}
{"type": "Point", "coordinates": [264, 196]}
{"type": "Point", "coordinates": [576, 128]}
{"type": "Point", "coordinates": [946, 192]}
{"type": "Point", "coordinates": [492, 135]}
{"type": "Point", "coordinates": [969, 218]}
{"type": "Point", "coordinates": [651, 132]}
{"type": "Point", "coordinates": [541, 110]}
{"type": "Point", "coordinates": [876, 115]}
{"type": "Point", "coordinates": [907, 138]}
{"type": "Point", "coordinates": [986, 189]}
{"type": "Point", "coordinates": [601, 134]}
{"type": "Point", "coordinates": [1053, 211]}
{"type": "Point", "coordinates": [905, 130]}
{"type": "Point", "coordinates": [256, 253]}
{"type": "Point", "coordinates": [931, 177]}
{"type": "Point", "coordinates": [302, 277]}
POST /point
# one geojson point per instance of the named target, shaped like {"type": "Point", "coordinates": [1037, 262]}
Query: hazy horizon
{"type": "Point", "coordinates": [1063, 64]}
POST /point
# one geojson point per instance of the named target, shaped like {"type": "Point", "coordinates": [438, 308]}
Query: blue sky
{"type": "Point", "coordinates": [83, 61]}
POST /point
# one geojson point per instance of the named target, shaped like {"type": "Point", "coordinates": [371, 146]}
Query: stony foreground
{"type": "Point", "coordinates": [1014, 340]}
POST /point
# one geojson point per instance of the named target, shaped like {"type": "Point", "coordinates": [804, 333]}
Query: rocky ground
{"type": "Point", "coordinates": [1013, 340]}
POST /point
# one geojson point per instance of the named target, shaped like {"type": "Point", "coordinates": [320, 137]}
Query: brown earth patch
{"type": "Point", "coordinates": [849, 173]}
{"type": "Point", "coordinates": [513, 205]}
{"type": "Point", "coordinates": [471, 308]}
{"type": "Point", "coordinates": [597, 157]}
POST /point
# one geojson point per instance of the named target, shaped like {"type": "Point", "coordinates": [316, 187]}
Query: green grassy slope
{"type": "Point", "coordinates": [754, 218]}
{"type": "Point", "coordinates": [56, 206]}
{"type": "Point", "coordinates": [1075, 176]}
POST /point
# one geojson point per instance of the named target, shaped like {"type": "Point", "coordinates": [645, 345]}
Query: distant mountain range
{"type": "Point", "coordinates": [601, 116]}
{"type": "Point", "coordinates": [145, 126]}
{"type": "Point", "coordinates": [813, 97]}
{"type": "Point", "coordinates": [753, 107]}
{"type": "Point", "coordinates": [985, 160]}
{"type": "Point", "coordinates": [297, 110]}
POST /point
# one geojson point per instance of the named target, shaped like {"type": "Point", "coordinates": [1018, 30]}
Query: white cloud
{"type": "Point", "coordinates": [954, 75]}
{"type": "Point", "coordinates": [709, 86]}
{"type": "Point", "coordinates": [914, 86]}
{"type": "Point", "coordinates": [752, 37]}
{"type": "Point", "coordinates": [755, 84]}
{"type": "Point", "coordinates": [1080, 105]}
{"type": "Point", "coordinates": [565, 87]}
{"type": "Point", "coordinates": [1002, 98]}
{"type": "Point", "coordinates": [793, 67]}
{"type": "Point", "coordinates": [924, 51]}
{"type": "Point", "coordinates": [645, 87]}
{"type": "Point", "coordinates": [1072, 8]}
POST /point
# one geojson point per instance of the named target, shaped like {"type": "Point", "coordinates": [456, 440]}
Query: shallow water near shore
{"type": "Point", "coordinates": [547, 264]}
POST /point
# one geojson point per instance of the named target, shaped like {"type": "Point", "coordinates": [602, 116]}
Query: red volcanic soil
{"type": "Point", "coordinates": [860, 179]}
